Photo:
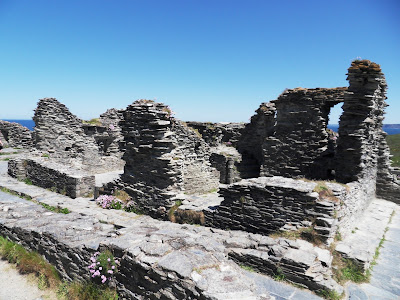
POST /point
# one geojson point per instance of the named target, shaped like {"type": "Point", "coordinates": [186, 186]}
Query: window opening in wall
{"type": "Point", "coordinates": [333, 134]}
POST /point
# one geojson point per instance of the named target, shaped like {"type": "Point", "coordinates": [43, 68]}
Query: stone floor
{"type": "Point", "coordinates": [385, 275]}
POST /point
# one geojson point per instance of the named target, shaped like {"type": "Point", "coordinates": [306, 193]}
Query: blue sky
{"type": "Point", "coordinates": [210, 60]}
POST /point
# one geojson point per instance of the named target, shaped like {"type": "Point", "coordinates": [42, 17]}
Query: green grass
{"type": "Point", "coordinates": [47, 276]}
{"type": "Point", "coordinates": [55, 209]}
{"type": "Point", "coordinates": [394, 145]}
{"type": "Point", "coordinates": [8, 153]}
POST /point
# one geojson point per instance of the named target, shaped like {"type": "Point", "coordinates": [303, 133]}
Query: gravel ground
{"type": "Point", "coordinates": [14, 286]}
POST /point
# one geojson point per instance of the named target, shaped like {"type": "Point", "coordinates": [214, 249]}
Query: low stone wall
{"type": "Point", "coordinates": [15, 135]}
{"type": "Point", "coordinates": [268, 204]}
{"type": "Point", "coordinates": [52, 176]}
{"type": "Point", "coordinates": [162, 260]}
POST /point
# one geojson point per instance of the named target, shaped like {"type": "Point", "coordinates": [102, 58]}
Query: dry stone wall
{"type": "Point", "coordinates": [362, 153]}
{"type": "Point", "coordinates": [15, 135]}
{"type": "Point", "coordinates": [216, 134]}
{"type": "Point", "coordinates": [250, 143]}
{"type": "Point", "coordinates": [300, 145]}
{"type": "Point", "coordinates": [61, 134]}
{"type": "Point", "coordinates": [163, 158]}
{"type": "Point", "coordinates": [162, 260]}
{"type": "Point", "coordinates": [360, 129]}
{"type": "Point", "coordinates": [50, 175]}
{"type": "Point", "coordinates": [269, 204]}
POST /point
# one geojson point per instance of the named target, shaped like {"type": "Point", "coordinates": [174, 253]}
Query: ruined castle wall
{"type": "Point", "coordinates": [163, 157]}
{"type": "Point", "coordinates": [360, 129]}
{"type": "Point", "coordinates": [15, 135]}
{"type": "Point", "coordinates": [107, 133]}
{"type": "Point", "coordinates": [61, 134]}
{"type": "Point", "coordinates": [300, 145]}
{"type": "Point", "coordinates": [362, 153]}
{"type": "Point", "coordinates": [52, 176]}
{"type": "Point", "coordinates": [268, 204]}
{"type": "Point", "coordinates": [260, 127]}
{"type": "Point", "coordinates": [216, 134]}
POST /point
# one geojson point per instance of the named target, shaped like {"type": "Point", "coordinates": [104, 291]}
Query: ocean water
{"type": "Point", "coordinates": [389, 131]}
{"type": "Point", "coordinates": [27, 123]}
{"type": "Point", "coordinates": [30, 124]}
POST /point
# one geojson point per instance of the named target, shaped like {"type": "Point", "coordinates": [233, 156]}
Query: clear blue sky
{"type": "Point", "coordinates": [210, 60]}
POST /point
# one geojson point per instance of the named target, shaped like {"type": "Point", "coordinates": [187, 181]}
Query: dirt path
{"type": "Point", "coordinates": [14, 286]}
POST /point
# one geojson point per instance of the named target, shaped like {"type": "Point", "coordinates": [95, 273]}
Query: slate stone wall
{"type": "Point", "coordinates": [52, 176]}
{"type": "Point", "coordinates": [62, 134]}
{"type": "Point", "coordinates": [163, 158]}
{"type": "Point", "coordinates": [268, 204]}
{"type": "Point", "coordinates": [300, 145]}
{"type": "Point", "coordinates": [261, 125]}
{"type": "Point", "coordinates": [162, 260]}
{"type": "Point", "coordinates": [216, 134]}
{"type": "Point", "coordinates": [15, 135]}
{"type": "Point", "coordinates": [360, 127]}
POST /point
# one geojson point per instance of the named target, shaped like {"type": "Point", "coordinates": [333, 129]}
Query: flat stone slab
{"type": "Point", "coordinates": [367, 233]}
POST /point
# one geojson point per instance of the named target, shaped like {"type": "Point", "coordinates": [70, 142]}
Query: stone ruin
{"type": "Point", "coordinates": [15, 135]}
{"type": "Point", "coordinates": [66, 153]}
{"type": "Point", "coordinates": [163, 158]}
{"type": "Point", "coordinates": [268, 171]}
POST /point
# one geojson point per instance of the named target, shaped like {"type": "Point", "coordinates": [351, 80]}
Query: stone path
{"type": "Point", "coordinates": [360, 244]}
{"type": "Point", "coordinates": [385, 275]}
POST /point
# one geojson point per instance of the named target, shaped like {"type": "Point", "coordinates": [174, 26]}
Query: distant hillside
{"type": "Point", "coordinates": [394, 145]}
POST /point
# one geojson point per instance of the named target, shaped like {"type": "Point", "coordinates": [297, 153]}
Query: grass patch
{"type": "Point", "coordinates": [248, 268]}
{"type": "Point", "coordinates": [8, 191]}
{"type": "Point", "coordinates": [307, 233]}
{"type": "Point", "coordinates": [8, 153]}
{"type": "Point", "coordinates": [28, 181]}
{"type": "Point", "coordinates": [394, 145]}
{"type": "Point", "coordinates": [29, 262]}
{"type": "Point", "coordinates": [55, 209]}
{"type": "Point", "coordinates": [95, 121]}
{"type": "Point", "coordinates": [29, 198]}
{"type": "Point", "coordinates": [331, 295]}
{"type": "Point", "coordinates": [47, 276]}
{"type": "Point", "coordinates": [171, 212]}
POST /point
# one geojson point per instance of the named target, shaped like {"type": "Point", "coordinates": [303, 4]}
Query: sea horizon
{"type": "Point", "coordinates": [388, 128]}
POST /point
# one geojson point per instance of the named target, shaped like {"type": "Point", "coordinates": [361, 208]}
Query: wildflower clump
{"type": "Point", "coordinates": [103, 266]}
{"type": "Point", "coordinates": [108, 202]}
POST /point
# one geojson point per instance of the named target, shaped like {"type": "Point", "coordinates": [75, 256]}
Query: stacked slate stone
{"type": "Point", "coordinates": [163, 158]}
{"type": "Point", "coordinates": [268, 204]}
{"type": "Point", "coordinates": [360, 130]}
{"type": "Point", "coordinates": [216, 134]}
{"type": "Point", "coordinates": [110, 119]}
{"type": "Point", "coordinates": [250, 144]}
{"type": "Point", "coordinates": [388, 182]}
{"type": "Point", "coordinates": [300, 145]}
{"type": "Point", "coordinates": [107, 133]}
{"type": "Point", "coordinates": [15, 135]}
{"type": "Point", "coordinates": [61, 134]}
{"type": "Point", "coordinates": [226, 160]}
